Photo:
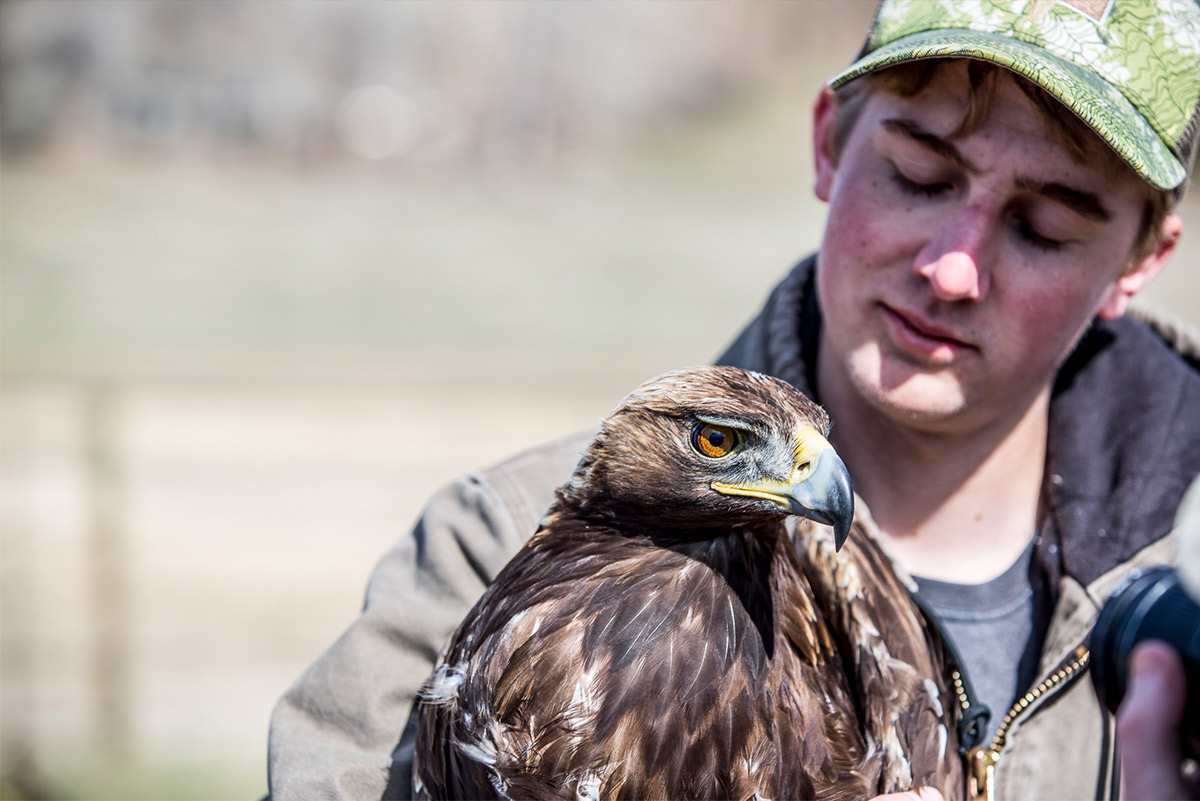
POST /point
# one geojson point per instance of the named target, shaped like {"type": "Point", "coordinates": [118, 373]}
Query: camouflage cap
{"type": "Point", "coordinates": [1130, 69]}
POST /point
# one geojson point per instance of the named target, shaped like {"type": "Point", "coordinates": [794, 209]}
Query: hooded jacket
{"type": "Point", "coordinates": [1124, 445]}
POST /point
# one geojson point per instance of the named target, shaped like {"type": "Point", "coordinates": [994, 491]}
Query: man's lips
{"type": "Point", "coordinates": [931, 334]}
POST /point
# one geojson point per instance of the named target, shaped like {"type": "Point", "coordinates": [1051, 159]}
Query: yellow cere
{"type": "Point", "coordinates": [810, 443]}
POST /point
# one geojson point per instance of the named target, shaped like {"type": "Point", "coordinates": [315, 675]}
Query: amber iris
{"type": "Point", "coordinates": [714, 441]}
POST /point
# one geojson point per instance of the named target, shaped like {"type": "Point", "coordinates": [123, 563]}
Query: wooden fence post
{"type": "Point", "coordinates": [108, 569]}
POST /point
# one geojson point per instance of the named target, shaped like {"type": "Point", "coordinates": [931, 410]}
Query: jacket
{"type": "Point", "coordinates": [1124, 445]}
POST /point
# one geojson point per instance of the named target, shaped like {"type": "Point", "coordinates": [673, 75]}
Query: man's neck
{"type": "Point", "coordinates": [957, 507]}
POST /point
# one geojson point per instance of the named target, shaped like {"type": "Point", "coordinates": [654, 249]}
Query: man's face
{"type": "Point", "coordinates": [956, 274]}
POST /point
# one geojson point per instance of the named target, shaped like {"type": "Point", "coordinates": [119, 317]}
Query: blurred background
{"type": "Point", "coordinates": [273, 272]}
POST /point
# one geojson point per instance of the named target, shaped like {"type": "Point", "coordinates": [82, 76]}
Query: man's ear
{"type": "Point", "coordinates": [1141, 273]}
{"type": "Point", "coordinates": [824, 162]}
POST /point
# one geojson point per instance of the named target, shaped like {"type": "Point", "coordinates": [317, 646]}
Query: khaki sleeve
{"type": "Point", "coordinates": [340, 732]}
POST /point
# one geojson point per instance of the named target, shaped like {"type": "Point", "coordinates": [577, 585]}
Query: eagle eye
{"type": "Point", "coordinates": [714, 441]}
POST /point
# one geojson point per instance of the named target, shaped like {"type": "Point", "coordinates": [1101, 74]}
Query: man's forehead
{"type": "Point", "coordinates": [944, 105]}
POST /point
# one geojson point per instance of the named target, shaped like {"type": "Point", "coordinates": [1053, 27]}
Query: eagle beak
{"type": "Point", "coordinates": [820, 488]}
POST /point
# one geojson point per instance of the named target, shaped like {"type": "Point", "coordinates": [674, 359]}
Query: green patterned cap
{"type": "Point", "coordinates": [1130, 69]}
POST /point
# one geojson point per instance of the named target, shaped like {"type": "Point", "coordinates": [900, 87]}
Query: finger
{"type": "Point", "coordinates": [1148, 723]}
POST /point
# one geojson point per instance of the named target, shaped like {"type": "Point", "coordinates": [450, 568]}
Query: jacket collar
{"type": "Point", "coordinates": [1123, 447]}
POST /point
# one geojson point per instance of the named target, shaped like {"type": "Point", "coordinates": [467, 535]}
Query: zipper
{"type": "Point", "coordinates": [982, 760]}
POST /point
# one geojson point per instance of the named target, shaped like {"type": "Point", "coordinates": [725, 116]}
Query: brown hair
{"type": "Point", "coordinates": [909, 78]}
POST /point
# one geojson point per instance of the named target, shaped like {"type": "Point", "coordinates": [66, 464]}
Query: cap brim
{"type": "Point", "coordinates": [1095, 101]}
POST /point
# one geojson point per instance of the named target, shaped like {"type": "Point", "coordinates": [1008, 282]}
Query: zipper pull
{"type": "Point", "coordinates": [982, 783]}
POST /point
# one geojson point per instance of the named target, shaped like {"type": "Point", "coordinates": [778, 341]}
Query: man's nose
{"type": "Point", "coordinates": [955, 261]}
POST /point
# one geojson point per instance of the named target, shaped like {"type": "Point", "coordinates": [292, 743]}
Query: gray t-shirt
{"type": "Point", "coordinates": [991, 625]}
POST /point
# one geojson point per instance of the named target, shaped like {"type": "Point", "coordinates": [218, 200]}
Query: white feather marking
{"type": "Point", "coordinates": [898, 770]}
{"type": "Point", "coordinates": [588, 788]}
{"type": "Point", "coordinates": [698, 670]}
{"type": "Point", "coordinates": [941, 742]}
{"type": "Point", "coordinates": [691, 621]}
{"type": "Point", "coordinates": [824, 547]}
{"type": "Point", "coordinates": [497, 784]}
{"type": "Point", "coordinates": [483, 751]}
{"type": "Point", "coordinates": [872, 747]}
{"type": "Point", "coordinates": [730, 630]}
{"type": "Point", "coordinates": [443, 687]}
{"type": "Point", "coordinates": [586, 699]}
{"type": "Point", "coordinates": [849, 580]}
{"type": "Point", "coordinates": [935, 698]}
{"type": "Point", "coordinates": [866, 627]}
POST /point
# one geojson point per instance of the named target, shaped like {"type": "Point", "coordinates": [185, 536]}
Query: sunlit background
{"type": "Point", "coordinates": [273, 272]}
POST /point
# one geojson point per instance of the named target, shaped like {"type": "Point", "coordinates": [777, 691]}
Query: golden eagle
{"type": "Point", "coordinates": [660, 637]}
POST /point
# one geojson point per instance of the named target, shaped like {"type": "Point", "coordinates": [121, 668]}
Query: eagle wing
{"type": "Point", "coordinates": [600, 665]}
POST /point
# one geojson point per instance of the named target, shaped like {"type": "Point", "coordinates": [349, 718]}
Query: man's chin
{"type": "Point", "coordinates": [919, 399]}
{"type": "Point", "coordinates": [930, 414]}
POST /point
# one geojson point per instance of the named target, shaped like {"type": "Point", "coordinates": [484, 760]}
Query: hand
{"type": "Point", "coordinates": [1148, 726]}
{"type": "Point", "coordinates": [919, 794]}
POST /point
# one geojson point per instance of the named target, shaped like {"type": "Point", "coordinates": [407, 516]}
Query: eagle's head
{"type": "Point", "coordinates": [710, 449]}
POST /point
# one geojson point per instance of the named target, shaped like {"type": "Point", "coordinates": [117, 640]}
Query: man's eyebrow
{"type": "Point", "coordinates": [910, 130]}
{"type": "Point", "coordinates": [1082, 202]}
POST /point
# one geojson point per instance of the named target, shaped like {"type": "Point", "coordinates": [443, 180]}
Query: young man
{"type": "Point", "coordinates": [1021, 445]}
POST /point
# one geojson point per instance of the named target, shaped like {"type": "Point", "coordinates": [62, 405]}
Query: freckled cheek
{"type": "Point", "coordinates": [1043, 328]}
{"type": "Point", "coordinates": [863, 228]}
